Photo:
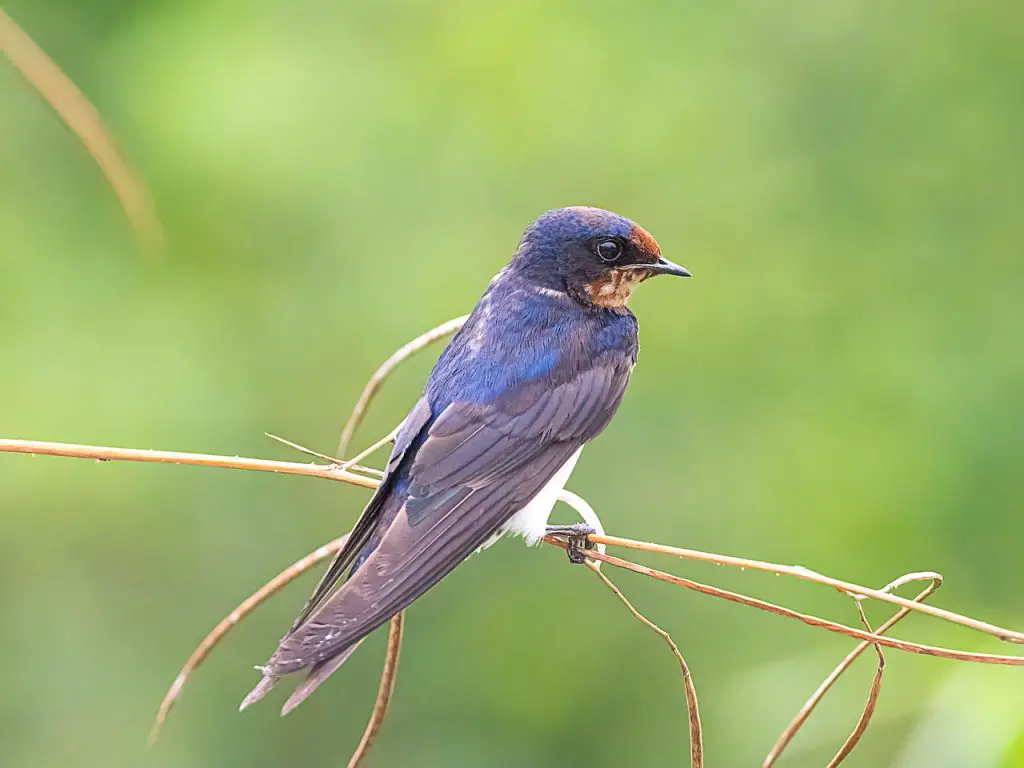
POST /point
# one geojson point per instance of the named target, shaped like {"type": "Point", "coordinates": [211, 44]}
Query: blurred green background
{"type": "Point", "coordinates": [840, 386]}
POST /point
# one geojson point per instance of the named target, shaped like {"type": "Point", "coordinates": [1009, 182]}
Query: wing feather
{"type": "Point", "coordinates": [414, 423]}
{"type": "Point", "coordinates": [472, 469]}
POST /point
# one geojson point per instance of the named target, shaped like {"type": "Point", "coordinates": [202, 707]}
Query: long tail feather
{"type": "Point", "coordinates": [262, 688]}
{"type": "Point", "coordinates": [317, 674]}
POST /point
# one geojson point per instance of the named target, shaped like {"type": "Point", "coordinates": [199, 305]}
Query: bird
{"type": "Point", "coordinates": [537, 371]}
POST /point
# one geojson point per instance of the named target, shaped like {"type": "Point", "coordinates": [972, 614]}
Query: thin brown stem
{"type": "Point", "coordinates": [103, 453]}
{"type": "Point", "coordinates": [84, 121]}
{"type": "Point", "coordinates": [352, 464]}
{"type": "Point", "coordinates": [226, 624]}
{"type": "Point", "coordinates": [385, 370]}
{"type": "Point", "coordinates": [334, 473]}
{"type": "Point", "coordinates": [872, 702]}
{"type": "Point", "coordinates": [828, 682]}
{"type": "Point", "coordinates": [806, 574]}
{"type": "Point", "coordinates": [692, 706]}
{"type": "Point", "coordinates": [388, 438]}
{"type": "Point", "coordinates": [814, 621]}
{"type": "Point", "coordinates": [301, 448]}
{"type": "Point", "coordinates": [385, 691]}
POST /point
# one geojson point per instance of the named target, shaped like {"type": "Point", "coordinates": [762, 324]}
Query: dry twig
{"type": "Point", "coordinates": [806, 574]}
{"type": "Point", "coordinates": [809, 707]}
{"type": "Point", "coordinates": [388, 438]}
{"type": "Point", "coordinates": [872, 702]}
{"type": "Point", "coordinates": [105, 453]}
{"type": "Point", "coordinates": [387, 688]}
{"type": "Point", "coordinates": [692, 706]}
{"type": "Point", "coordinates": [85, 122]}
{"type": "Point", "coordinates": [331, 472]}
{"type": "Point", "coordinates": [814, 621]}
{"type": "Point", "coordinates": [343, 465]}
{"type": "Point", "coordinates": [389, 365]}
{"type": "Point", "coordinates": [226, 624]}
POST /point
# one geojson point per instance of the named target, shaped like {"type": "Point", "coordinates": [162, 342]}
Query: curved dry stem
{"type": "Point", "coordinates": [84, 121]}
{"type": "Point", "coordinates": [814, 621]}
{"type": "Point", "coordinates": [692, 706]}
{"type": "Point", "coordinates": [385, 691]}
{"type": "Point", "coordinates": [872, 702]}
{"type": "Point", "coordinates": [385, 370]}
{"type": "Point", "coordinates": [226, 624]}
{"type": "Point", "coordinates": [805, 712]}
{"type": "Point", "coordinates": [806, 574]}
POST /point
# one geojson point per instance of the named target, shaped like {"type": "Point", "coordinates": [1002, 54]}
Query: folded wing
{"type": "Point", "coordinates": [454, 483]}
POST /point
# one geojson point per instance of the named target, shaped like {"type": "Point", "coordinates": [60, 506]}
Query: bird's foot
{"type": "Point", "coordinates": [576, 539]}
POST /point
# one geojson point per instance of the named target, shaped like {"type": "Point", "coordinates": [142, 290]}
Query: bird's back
{"type": "Point", "coordinates": [521, 333]}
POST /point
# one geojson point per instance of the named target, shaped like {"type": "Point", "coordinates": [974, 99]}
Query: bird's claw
{"type": "Point", "coordinates": [576, 539]}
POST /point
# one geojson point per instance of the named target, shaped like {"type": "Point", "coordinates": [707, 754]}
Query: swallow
{"type": "Point", "coordinates": [537, 371]}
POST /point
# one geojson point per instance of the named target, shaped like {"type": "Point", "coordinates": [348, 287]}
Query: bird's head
{"type": "Point", "coordinates": [595, 256]}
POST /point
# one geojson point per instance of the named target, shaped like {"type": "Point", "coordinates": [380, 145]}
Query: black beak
{"type": "Point", "coordinates": [663, 267]}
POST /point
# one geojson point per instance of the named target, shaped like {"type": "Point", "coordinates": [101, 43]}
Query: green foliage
{"type": "Point", "coordinates": [839, 386]}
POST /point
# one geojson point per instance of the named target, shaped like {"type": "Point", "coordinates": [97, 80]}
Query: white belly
{"type": "Point", "coordinates": [531, 521]}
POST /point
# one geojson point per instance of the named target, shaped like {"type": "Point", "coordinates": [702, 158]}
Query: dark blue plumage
{"type": "Point", "coordinates": [538, 370]}
{"type": "Point", "coordinates": [517, 335]}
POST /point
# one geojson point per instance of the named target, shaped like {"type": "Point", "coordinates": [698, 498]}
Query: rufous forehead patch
{"type": "Point", "coordinates": [644, 242]}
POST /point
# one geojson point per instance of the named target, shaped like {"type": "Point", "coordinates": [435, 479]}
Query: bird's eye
{"type": "Point", "coordinates": [609, 250]}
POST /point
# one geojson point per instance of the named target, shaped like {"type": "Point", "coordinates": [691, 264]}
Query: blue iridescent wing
{"type": "Point", "coordinates": [473, 468]}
